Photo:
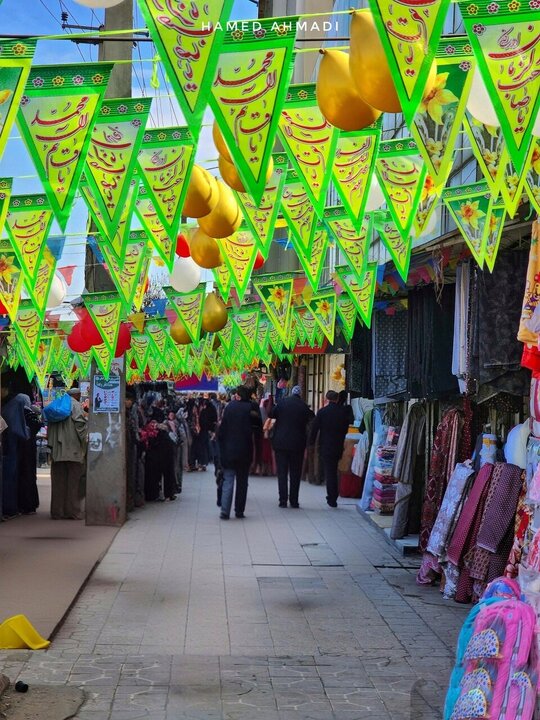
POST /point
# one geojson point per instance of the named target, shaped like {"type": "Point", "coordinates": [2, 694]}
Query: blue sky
{"type": "Point", "coordinates": [42, 17]}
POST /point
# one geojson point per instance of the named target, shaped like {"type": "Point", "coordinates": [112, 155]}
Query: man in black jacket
{"type": "Point", "coordinates": [289, 442]}
{"type": "Point", "coordinates": [235, 438]}
{"type": "Point", "coordinates": [331, 424]}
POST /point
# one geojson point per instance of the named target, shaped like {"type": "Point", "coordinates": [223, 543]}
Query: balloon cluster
{"type": "Point", "coordinates": [353, 90]}
{"type": "Point", "coordinates": [85, 335]}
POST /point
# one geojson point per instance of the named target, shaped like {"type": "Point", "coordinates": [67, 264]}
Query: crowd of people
{"type": "Point", "coordinates": [168, 435]}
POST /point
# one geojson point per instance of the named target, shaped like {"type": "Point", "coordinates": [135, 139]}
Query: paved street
{"type": "Point", "coordinates": [286, 614]}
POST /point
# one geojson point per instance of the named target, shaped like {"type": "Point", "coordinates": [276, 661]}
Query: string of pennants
{"type": "Point", "coordinates": [101, 148]}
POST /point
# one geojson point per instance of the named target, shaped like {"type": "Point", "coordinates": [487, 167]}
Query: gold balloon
{"type": "Point", "coordinates": [369, 67]}
{"type": "Point", "coordinates": [219, 142]}
{"type": "Point", "coordinates": [202, 195]}
{"type": "Point", "coordinates": [215, 315]}
{"type": "Point", "coordinates": [205, 250]}
{"type": "Point", "coordinates": [179, 333]}
{"type": "Point", "coordinates": [225, 218]}
{"type": "Point", "coordinates": [337, 97]}
{"type": "Point", "coordinates": [230, 175]}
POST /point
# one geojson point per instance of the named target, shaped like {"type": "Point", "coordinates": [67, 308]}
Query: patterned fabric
{"type": "Point", "coordinates": [521, 526]}
{"type": "Point", "coordinates": [443, 459]}
{"type": "Point", "coordinates": [501, 511]}
{"type": "Point", "coordinates": [389, 354]}
{"type": "Point", "coordinates": [458, 486]}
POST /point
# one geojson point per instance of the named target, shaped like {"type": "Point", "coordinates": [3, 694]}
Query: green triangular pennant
{"type": "Point", "coordinates": [15, 63]}
{"type": "Point", "coordinates": [429, 200]}
{"type": "Point", "coordinates": [313, 263]}
{"type": "Point", "coordinates": [5, 193]}
{"type": "Point", "coordinates": [301, 334]}
{"type": "Point", "coordinates": [437, 123]}
{"type": "Point", "coordinates": [188, 38]}
{"type": "Point", "coordinates": [470, 206]}
{"type": "Point", "coordinates": [28, 325]}
{"type": "Point", "coordinates": [41, 364]}
{"type": "Point", "coordinates": [112, 156]}
{"type": "Point", "coordinates": [254, 71]}
{"type": "Point", "coordinates": [105, 309]}
{"type": "Point", "coordinates": [189, 308]}
{"type": "Point", "coordinates": [274, 338]}
{"type": "Point", "coordinates": [353, 241]}
{"type": "Point", "coordinates": [165, 161]}
{"type": "Point", "coordinates": [401, 173]}
{"type": "Point", "coordinates": [104, 357]}
{"type": "Point", "coordinates": [354, 164]}
{"type": "Point", "coordinates": [309, 324]}
{"type": "Point", "coordinates": [28, 223]}
{"type": "Point", "coordinates": [533, 178]}
{"type": "Point", "coordinates": [84, 362]}
{"type": "Point", "coordinates": [513, 184]}
{"type": "Point", "coordinates": [496, 226]}
{"type": "Point", "coordinates": [276, 292]}
{"type": "Point", "coordinates": [56, 118]}
{"type": "Point", "coordinates": [504, 39]}
{"type": "Point", "coordinates": [158, 330]}
{"type": "Point", "coordinates": [410, 35]}
{"type": "Point", "coordinates": [324, 306]}
{"type": "Point", "coordinates": [362, 294]}
{"type": "Point", "coordinates": [118, 242]}
{"type": "Point", "coordinates": [488, 147]}
{"type": "Point", "coordinates": [164, 244]}
{"type": "Point", "coordinates": [223, 279]}
{"type": "Point", "coordinates": [246, 321]}
{"type": "Point", "coordinates": [298, 210]}
{"type": "Point", "coordinates": [39, 290]}
{"type": "Point", "coordinates": [11, 278]}
{"type": "Point", "coordinates": [400, 250]}
{"type": "Point", "coordinates": [262, 219]}
{"type": "Point", "coordinates": [226, 337]}
{"type": "Point", "coordinates": [126, 275]}
{"type": "Point", "coordinates": [239, 252]}
{"type": "Point", "coordinates": [140, 347]}
{"type": "Point", "coordinates": [347, 312]}
{"type": "Point", "coordinates": [310, 142]}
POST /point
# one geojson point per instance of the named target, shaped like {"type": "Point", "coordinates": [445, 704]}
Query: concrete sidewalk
{"type": "Point", "coordinates": [287, 614]}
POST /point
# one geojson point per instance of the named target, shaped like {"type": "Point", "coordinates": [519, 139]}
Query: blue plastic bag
{"type": "Point", "coordinates": [58, 410]}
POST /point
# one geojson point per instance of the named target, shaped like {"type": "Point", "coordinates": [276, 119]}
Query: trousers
{"type": "Point", "coordinates": [240, 472]}
{"type": "Point", "coordinates": [289, 472]}
{"type": "Point", "coordinates": [65, 490]}
{"type": "Point", "coordinates": [330, 466]}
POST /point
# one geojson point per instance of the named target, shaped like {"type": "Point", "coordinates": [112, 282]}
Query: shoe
{"type": "Point", "coordinates": [223, 516]}
{"type": "Point", "coordinates": [331, 504]}
{"type": "Point", "coordinates": [295, 505]}
{"type": "Point", "coordinates": [173, 497]}
{"type": "Point", "coordinates": [240, 516]}
{"type": "Point", "coordinates": [282, 505]}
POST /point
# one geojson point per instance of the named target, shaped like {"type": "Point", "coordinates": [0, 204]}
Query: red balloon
{"type": "Point", "coordinates": [76, 341]}
{"type": "Point", "coordinates": [3, 309]}
{"type": "Point", "coordinates": [89, 331]}
{"type": "Point", "coordinates": [259, 261]}
{"type": "Point", "coordinates": [182, 246]}
{"type": "Point", "coordinates": [124, 340]}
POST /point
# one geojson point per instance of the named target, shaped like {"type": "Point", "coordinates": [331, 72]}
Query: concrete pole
{"type": "Point", "coordinates": [106, 464]}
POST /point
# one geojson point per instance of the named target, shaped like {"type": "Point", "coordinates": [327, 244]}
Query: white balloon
{"type": "Point", "coordinates": [186, 275]}
{"type": "Point", "coordinates": [376, 197]}
{"type": "Point", "coordinates": [99, 3]}
{"type": "Point", "coordinates": [479, 103]}
{"type": "Point", "coordinates": [57, 293]}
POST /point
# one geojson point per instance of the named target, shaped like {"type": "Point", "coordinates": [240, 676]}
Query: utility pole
{"type": "Point", "coordinates": [106, 463]}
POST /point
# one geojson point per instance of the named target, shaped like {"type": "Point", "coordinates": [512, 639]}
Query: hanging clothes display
{"type": "Point", "coordinates": [460, 352]}
{"type": "Point", "coordinates": [359, 362]}
{"type": "Point", "coordinates": [495, 314]}
{"type": "Point", "coordinates": [389, 353]}
{"type": "Point", "coordinates": [430, 333]}
{"type": "Point", "coordinates": [409, 473]}
{"type": "Point", "coordinates": [379, 433]}
{"type": "Point", "coordinates": [444, 456]}
{"type": "Point", "coordinates": [384, 482]}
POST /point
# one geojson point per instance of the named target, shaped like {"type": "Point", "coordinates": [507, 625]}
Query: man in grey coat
{"type": "Point", "coordinates": [67, 440]}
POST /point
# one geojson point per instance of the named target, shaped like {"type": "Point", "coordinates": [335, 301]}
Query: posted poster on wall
{"type": "Point", "coordinates": [106, 394]}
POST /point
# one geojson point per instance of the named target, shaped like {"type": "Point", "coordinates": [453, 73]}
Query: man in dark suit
{"type": "Point", "coordinates": [289, 442]}
{"type": "Point", "coordinates": [235, 437]}
{"type": "Point", "coordinates": [331, 424]}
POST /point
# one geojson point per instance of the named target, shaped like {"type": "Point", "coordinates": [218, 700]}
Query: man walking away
{"type": "Point", "coordinates": [331, 424]}
{"type": "Point", "coordinates": [292, 416]}
{"type": "Point", "coordinates": [67, 440]}
{"type": "Point", "coordinates": [235, 437]}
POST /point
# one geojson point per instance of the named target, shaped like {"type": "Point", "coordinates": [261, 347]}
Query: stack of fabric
{"type": "Point", "coordinates": [384, 485]}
